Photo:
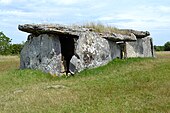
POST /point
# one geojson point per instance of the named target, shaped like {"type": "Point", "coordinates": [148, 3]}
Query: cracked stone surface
{"type": "Point", "coordinates": [42, 52]}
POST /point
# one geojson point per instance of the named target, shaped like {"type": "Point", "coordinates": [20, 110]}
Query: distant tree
{"type": "Point", "coordinates": [4, 44]}
{"type": "Point", "coordinates": [159, 48]}
{"type": "Point", "coordinates": [15, 49]}
{"type": "Point", "coordinates": [167, 46]}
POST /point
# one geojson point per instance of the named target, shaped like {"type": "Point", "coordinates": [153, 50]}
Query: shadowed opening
{"type": "Point", "coordinates": [122, 46]}
{"type": "Point", "coordinates": [67, 50]}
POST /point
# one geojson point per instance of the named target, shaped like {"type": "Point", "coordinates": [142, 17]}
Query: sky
{"type": "Point", "coordinates": [145, 15]}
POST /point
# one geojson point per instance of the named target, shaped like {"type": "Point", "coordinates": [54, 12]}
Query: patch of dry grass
{"type": "Point", "coordinates": [8, 62]}
{"type": "Point", "coordinates": [101, 28]}
{"type": "Point", "coordinates": [163, 54]}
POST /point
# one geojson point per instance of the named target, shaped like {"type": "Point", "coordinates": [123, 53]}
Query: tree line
{"type": "Point", "coordinates": [165, 47]}
{"type": "Point", "coordinates": [7, 48]}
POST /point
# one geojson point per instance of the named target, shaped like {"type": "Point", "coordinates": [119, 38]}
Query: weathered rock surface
{"type": "Point", "coordinates": [141, 48]}
{"type": "Point", "coordinates": [138, 34]}
{"type": "Point", "coordinates": [52, 28]}
{"type": "Point", "coordinates": [93, 51]}
{"type": "Point", "coordinates": [42, 52]}
{"type": "Point", "coordinates": [119, 37]}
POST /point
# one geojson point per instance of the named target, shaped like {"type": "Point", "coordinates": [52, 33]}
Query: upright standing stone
{"type": "Point", "coordinates": [42, 52]}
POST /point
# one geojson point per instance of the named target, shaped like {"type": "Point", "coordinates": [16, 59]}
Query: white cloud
{"type": "Point", "coordinates": [143, 17]}
{"type": "Point", "coordinates": [106, 18]}
{"type": "Point", "coordinates": [55, 2]}
{"type": "Point", "coordinates": [6, 2]}
{"type": "Point", "coordinates": [13, 12]}
{"type": "Point", "coordinates": [66, 2]}
{"type": "Point", "coordinates": [164, 9]}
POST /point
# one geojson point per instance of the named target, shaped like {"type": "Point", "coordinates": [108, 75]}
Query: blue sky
{"type": "Point", "coordinates": [146, 15]}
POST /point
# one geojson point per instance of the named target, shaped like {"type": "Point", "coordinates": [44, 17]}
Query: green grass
{"type": "Point", "coordinates": [123, 86]}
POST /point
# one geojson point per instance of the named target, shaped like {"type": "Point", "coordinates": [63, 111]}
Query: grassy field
{"type": "Point", "coordinates": [123, 86]}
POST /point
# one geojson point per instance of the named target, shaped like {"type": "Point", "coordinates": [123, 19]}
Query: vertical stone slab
{"type": "Point", "coordinates": [152, 47]}
{"type": "Point", "coordinates": [42, 52]}
{"type": "Point", "coordinates": [92, 51]}
{"type": "Point", "coordinates": [130, 49]}
{"type": "Point", "coordinates": [135, 49]}
{"type": "Point", "coordinates": [147, 47]}
{"type": "Point", "coordinates": [140, 48]}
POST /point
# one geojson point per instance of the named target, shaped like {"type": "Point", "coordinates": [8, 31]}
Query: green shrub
{"type": "Point", "coordinates": [6, 48]}
{"type": "Point", "coordinates": [167, 46]}
{"type": "Point", "coordinates": [159, 48]}
{"type": "Point", "coordinates": [4, 44]}
{"type": "Point", "coordinates": [15, 49]}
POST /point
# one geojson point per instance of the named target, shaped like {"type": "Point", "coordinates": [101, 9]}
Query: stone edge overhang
{"type": "Point", "coordinates": [119, 37]}
{"type": "Point", "coordinates": [138, 34]}
{"type": "Point", "coordinates": [51, 29]}
{"type": "Point", "coordinates": [77, 30]}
